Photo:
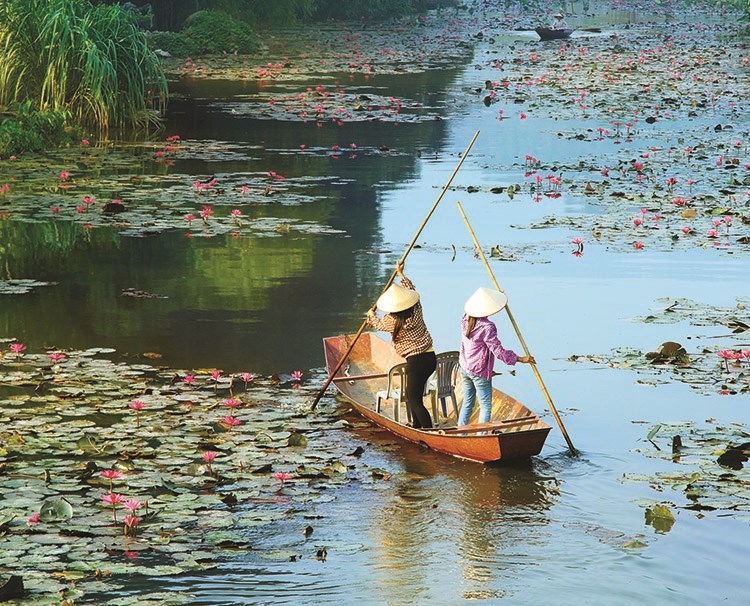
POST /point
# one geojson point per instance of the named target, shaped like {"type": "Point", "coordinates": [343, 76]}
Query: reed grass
{"type": "Point", "coordinates": [92, 62]}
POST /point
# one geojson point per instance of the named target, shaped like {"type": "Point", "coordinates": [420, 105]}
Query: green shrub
{"type": "Point", "coordinates": [32, 130]}
{"type": "Point", "coordinates": [212, 32]}
{"type": "Point", "coordinates": [174, 43]}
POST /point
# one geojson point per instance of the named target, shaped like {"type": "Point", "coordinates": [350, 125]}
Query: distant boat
{"type": "Point", "coordinates": [513, 431]}
{"type": "Point", "coordinates": [546, 33]}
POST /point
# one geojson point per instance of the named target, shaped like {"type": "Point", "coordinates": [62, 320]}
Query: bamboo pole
{"type": "Point", "coordinates": [538, 376]}
{"type": "Point", "coordinates": [393, 275]}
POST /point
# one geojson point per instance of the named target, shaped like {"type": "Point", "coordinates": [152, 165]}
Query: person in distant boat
{"type": "Point", "coordinates": [411, 340]}
{"type": "Point", "coordinates": [559, 22]}
{"type": "Point", "coordinates": [479, 347]}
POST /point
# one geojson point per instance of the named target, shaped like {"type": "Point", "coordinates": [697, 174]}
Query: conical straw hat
{"type": "Point", "coordinates": [397, 298]}
{"type": "Point", "coordinates": [485, 302]}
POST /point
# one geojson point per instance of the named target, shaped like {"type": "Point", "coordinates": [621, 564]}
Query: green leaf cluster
{"type": "Point", "coordinates": [31, 130]}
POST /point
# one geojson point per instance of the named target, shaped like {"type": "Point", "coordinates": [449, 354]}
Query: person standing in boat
{"type": "Point", "coordinates": [559, 22]}
{"type": "Point", "coordinates": [479, 347]}
{"type": "Point", "coordinates": [411, 340]}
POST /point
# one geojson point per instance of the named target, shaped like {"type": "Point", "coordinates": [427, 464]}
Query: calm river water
{"type": "Point", "coordinates": [552, 531]}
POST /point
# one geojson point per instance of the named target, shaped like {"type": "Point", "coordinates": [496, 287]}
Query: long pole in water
{"type": "Point", "coordinates": [393, 275]}
{"type": "Point", "coordinates": [538, 376]}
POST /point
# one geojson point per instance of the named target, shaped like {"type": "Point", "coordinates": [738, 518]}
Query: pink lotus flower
{"type": "Point", "coordinates": [246, 377]}
{"type": "Point", "coordinates": [244, 189]}
{"type": "Point", "coordinates": [33, 519]}
{"type": "Point", "coordinates": [190, 218]}
{"type": "Point", "coordinates": [57, 356]}
{"type": "Point", "coordinates": [64, 175]}
{"type": "Point", "coordinates": [173, 138]}
{"type": "Point", "coordinates": [686, 230]}
{"type": "Point", "coordinates": [637, 222]}
{"type": "Point", "coordinates": [132, 505]}
{"type": "Point", "coordinates": [638, 245]}
{"type": "Point", "coordinates": [111, 474]}
{"type": "Point", "coordinates": [216, 375]}
{"type": "Point", "coordinates": [131, 522]}
{"type": "Point", "coordinates": [209, 457]}
{"type": "Point", "coordinates": [604, 172]}
{"type": "Point", "coordinates": [232, 403]}
{"type": "Point", "coordinates": [712, 233]}
{"type": "Point", "coordinates": [18, 349]}
{"type": "Point", "coordinates": [55, 210]}
{"type": "Point", "coordinates": [87, 200]}
{"type": "Point", "coordinates": [726, 355]}
{"type": "Point", "coordinates": [282, 476]}
{"type": "Point", "coordinates": [137, 405]}
{"type": "Point", "coordinates": [296, 375]}
{"type": "Point", "coordinates": [114, 500]}
{"type": "Point", "coordinates": [206, 213]}
{"type": "Point", "coordinates": [230, 422]}
{"type": "Point", "coordinates": [85, 142]}
{"type": "Point", "coordinates": [189, 379]}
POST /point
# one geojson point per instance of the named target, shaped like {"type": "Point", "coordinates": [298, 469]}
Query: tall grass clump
{"type": "Point", "coordinates": [91, 62]}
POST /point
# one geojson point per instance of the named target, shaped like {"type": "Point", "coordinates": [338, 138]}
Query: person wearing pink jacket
{"type": "Point", "coordinates": [479, 348]}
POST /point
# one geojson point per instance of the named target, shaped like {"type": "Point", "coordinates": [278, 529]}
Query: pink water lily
{"type": "Point", "coordinates": [132, 505]}
{"type": "Point", "coordinates": [209, 457]}
{"type": "Point", "coordinates": [246, 377]}
{"type": "Point", "coordinates": [230, 422]}
{"type": "Point", "coordinates": [64, 175]}
{"type": "Point", "coordinates": [232, 402]}
{"type": "Point", "coordinates": [296, 375]}
{"type": "Point", "coordinates": [18, 349]}
{"type": "Point", "coordinates": [57, 356]}
{"type": "Point", "coordinates": [113, 499]}
{"type": "Point", "coordinates": [282, 476]}
{"type": "Point", "coordinates": [137, 405]}
{"type": "Point", "coordinates": [33, 519]}
{"type": "Point", "coordinates": [131, 522]}
{"type": "Point", "coordinates": [638, 245]}
{"type": "Point", "coordinates": [726, 355]}
{"type": "Point", "coordinates": [111, 475]}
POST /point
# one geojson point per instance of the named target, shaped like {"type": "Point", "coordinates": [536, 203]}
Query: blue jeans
{"type": "Point", "coordinates": [475, 386]}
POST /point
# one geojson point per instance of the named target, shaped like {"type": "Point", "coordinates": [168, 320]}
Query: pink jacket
{"type": "Point", "coordinates": [479, 349]}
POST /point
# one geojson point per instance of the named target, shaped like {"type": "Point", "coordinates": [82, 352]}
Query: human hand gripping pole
{"type": "Point", "coordinates": [531, 360]}
{"type": "Point", "coordinates": [396, 271]}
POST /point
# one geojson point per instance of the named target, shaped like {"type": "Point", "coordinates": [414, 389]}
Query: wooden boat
{"type": "Point", "coordinates": [513, 432]}
{"type": "Point", "coordinates": [547, 33]}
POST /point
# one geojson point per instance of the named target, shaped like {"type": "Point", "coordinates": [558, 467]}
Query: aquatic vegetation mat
{"type": "Point", "coordinates": [709, 467]}
{"type": "Point", "coordinates": [708, 367]}
{"type": "Point", "coordinates": [111, 471]}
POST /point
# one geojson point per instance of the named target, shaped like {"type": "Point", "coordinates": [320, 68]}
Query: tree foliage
{"type": "Point", "coordinates": [66, 55]}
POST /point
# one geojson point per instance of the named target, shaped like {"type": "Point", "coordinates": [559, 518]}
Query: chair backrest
{"type": "Point", "coordinates": [445, 372]}
{"type": "Point", "coordinates": [397, 371]}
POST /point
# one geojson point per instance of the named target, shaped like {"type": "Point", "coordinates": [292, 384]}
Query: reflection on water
{"type": "Point", "coordinates": [227, 302]}
{"type": "Point", "coordinates": [436, 531]}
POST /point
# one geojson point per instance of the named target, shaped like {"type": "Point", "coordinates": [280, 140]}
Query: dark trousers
{"type": "Point", "coordinates": [418, 370]}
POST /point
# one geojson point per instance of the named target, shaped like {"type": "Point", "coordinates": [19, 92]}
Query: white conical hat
{"type": "Point", "coordinates": [485, 302]}
{"type": "Point", "coordinates": [397, 298]}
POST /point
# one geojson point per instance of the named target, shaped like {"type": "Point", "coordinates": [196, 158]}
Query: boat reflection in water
{"type": "Point", "coordinates": [455, 528]}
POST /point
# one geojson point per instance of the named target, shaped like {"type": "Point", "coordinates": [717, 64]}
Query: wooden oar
{"type": "Point", "coordinates": [573, 451]}
{"type": "Point", "coordinates": [393, 275]}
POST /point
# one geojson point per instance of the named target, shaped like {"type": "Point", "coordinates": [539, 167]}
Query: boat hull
{"type": "Point", "coordinates": [546, 33]}
{"type": "Point", "coordinates": [514, 431]}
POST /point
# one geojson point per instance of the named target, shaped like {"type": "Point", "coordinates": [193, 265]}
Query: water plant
{"type": "Point", "coordinates": [137, 405]}
{"type": "Point", "coordinates": [92, 62]}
